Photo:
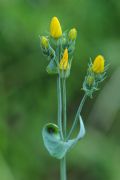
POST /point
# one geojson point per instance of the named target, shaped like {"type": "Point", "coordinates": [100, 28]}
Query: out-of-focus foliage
{"type": "Point", "coordinates": [28, 93]}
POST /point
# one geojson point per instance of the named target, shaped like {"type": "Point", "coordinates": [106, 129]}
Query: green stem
{"type": "Point", "coordinates": [64, 107]}
{"type": "Point", "coordinates": [77, 115]}
{"type": "Point", "coordinates": [59, 105]}
{"type": "Point", "coordinates": [63, 169]}
{"type": "Point", "coordinates": [63, 161]}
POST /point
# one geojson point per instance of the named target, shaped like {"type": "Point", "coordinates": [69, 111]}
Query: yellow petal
{"type": "Point", "coordinates": [55, 28]}
{"type": "Point", "coordinates": [64, 61]}
{"type": "Point", "coordinates": [98, 64]}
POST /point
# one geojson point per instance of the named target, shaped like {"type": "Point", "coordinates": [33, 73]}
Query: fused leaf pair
{"type": "Point", "coordinates": [54, 143]}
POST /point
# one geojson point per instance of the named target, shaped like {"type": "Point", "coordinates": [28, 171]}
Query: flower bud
{"type": "Point", "coordinates": [44, 42]}
{"type": "Point", "coordinates": [98, 64]}
{"type": "Point", "coordinates": [55, 28]}
{"type": "Point", "coordinates": [90, 80]}
{"type": "Point", "coordinates": [72, 34]}
{"type": "Point", "coordinates": [64, 61]}
{"type": "Point", "coordinates": [64, 40]}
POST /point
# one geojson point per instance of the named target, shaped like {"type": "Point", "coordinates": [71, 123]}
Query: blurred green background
{"type": "Point", "coordinates": [28, 93]}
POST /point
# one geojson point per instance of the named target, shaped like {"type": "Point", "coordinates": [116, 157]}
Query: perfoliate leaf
{"type": "Point", "coordinates": [53, 142]}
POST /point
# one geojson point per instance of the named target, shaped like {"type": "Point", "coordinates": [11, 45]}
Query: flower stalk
{"type": "Point", "coordinates": [62, 105]}
{"type": "Point", "coordinates": [63, 160]}
{"type": "Point", "coordinates": [77, 115]}
{"type": "Point", "coordinates": [59, 106]}
{"type": "Point", "coordinates": [64, 108]}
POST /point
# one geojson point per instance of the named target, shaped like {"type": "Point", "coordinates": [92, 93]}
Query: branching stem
{"type": "Point", "coordinates": [77, 115]}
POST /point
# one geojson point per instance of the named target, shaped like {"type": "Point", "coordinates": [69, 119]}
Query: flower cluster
{"type": "Point", "coordinates": [96, 73]}
{"type": "Point", "coordinates": [58, 46]}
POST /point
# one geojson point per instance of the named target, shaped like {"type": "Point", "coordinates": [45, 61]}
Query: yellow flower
{"type": "Point", "coordinates": [98, 64]}
{"type": "Point", "coordinates": [55, 28]}
{"type": "Point", "coordinates": [44, 42]}
{"type": "Point", "coordinates": [64, 61]}
{"type": "Point", "coordinates": [72, 34]}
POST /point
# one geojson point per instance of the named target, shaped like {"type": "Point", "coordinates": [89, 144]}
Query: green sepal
{"type": "Point", "coordinates": [65, 73]}
{"type": "Point", "coordinates": [52, 67]}
{"type": "Point", "coordinates": [53, 142]}
{"type": "Point", "coordinates": [71, 47]}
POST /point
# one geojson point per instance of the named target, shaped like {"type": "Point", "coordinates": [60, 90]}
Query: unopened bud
{"type": "Point", "coordinates": [64, 40]}
{"type": "Point", "coordinates": [72, 34]}
{"type": "Point", "coordinates": [64, 61]}
{"type": "Point", "coordinates": [90, 80]}
{"type": "Point", "coordinates": [55, 28]}
{"type": "Point", "coordinates": [44, 42]}
{"type": "Point", "coordinates": [98, 64]}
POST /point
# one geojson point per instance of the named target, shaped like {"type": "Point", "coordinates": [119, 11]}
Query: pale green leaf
{"type": "Point", "coordinates": [53, 142]}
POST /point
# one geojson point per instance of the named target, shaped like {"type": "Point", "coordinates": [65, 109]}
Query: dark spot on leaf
{"type": "Point", "coordinates": [51, 130]}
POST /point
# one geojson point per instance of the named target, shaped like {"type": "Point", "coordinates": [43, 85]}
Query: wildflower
{"type": "Point", "coordinates": [64, 61]}
{"type": "Point", "coordinates": [44, 42]}
{"type": "Point", "coordinates": [55, 28]}
{"type": "Point", "coordinates": [98, 64]}
{"type": "Point", "coordinates": [72, 34]}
